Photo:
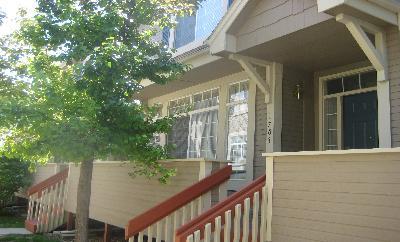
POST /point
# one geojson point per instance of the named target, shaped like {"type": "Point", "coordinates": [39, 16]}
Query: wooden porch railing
{"type": "Point", "coordinates": [241, 217]}
{"type": "Point", "coordinates": [162, 220]}
{"type": "Point", "coordinates": [46, 203]}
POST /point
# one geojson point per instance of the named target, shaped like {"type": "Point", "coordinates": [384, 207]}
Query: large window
{"type": "Point", "coordinates": [200, 24]}
{"type": "Point", "coordinates": [178, 136]}
{"type": "Point", "coordinates": [350, 112]}
{"type": "Point", "coordinates": [237, 127]}
{"type": "Point", "coordinates": [194, 134]}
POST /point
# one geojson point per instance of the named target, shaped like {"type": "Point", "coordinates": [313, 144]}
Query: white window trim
{"type": "Point", "coordinates": [208, 109]}
{"type": "Point", "coordinates": [339, 96]}
{"type": "Point", "coordinates": [223, 84]}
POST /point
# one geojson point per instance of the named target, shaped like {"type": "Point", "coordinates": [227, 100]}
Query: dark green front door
{"type": "Point", "coordinates": [360, 121]}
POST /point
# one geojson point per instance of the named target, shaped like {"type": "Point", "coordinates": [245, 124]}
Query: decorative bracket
{"type": "Point", "coordinates": [249, 65]}
{"type": "Point", "coordinates": [375, 52]}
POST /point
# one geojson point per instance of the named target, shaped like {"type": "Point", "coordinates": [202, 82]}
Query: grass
{"type": "Point", "coordinates": [26, 238]}
{"type": "Point", "coordinates": [8, 220]}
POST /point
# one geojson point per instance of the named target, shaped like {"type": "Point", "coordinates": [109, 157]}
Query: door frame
{"type": "Point", "coordinates": [322, 97]}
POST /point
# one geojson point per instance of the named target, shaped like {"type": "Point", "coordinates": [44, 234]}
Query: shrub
{"type": "Point", "coordinates": [14, 174]}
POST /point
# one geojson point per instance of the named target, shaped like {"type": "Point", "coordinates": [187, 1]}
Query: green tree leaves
{"type": "Point", "coordinates": [71, 75]}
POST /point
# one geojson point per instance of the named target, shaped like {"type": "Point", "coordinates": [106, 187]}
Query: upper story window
{"type": "Point", "coordinates": [200, 25]}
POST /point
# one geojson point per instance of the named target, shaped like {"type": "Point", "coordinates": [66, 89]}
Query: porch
{"type": "Point", "coordinates": [350, 195]}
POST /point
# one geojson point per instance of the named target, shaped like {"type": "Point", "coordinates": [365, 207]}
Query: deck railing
{"type": "Point", "coordinates": [241, 217]}
{"type": "Point", "coordinates": [163, 220]}
{"type": "Point", "coordinates": [46, 203]}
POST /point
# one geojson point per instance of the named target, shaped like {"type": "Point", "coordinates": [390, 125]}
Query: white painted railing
{"type": "Point", "coordinates": [46, 204]}
{"type": "Point", "coordinates": [240, 218]}
{"type": "Point", "coordinates": [163, 220]}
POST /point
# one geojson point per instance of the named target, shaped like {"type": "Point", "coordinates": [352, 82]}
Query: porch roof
{"type": "Point", "coordinates": [381, 12]}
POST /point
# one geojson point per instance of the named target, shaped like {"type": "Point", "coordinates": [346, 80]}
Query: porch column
{"type": "Point", "coordinates": [274, 108]}
{"type": "Point", "coordinates": [376, 54]}
{"type": "Point", "coordinates": [271, 86]}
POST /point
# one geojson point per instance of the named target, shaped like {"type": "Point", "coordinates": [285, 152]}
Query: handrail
{"type": "Point", "coordinates": [219, 209]}
{"type": "Point", "coordinates": [165, 208]}
{"type": "Point", "coordinates": [48, 182]}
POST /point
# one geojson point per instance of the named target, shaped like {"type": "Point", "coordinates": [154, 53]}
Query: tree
{"type": "Point", "coordinates": [14, 174]}
{"type": "Point", "coordinates": [69, 92]}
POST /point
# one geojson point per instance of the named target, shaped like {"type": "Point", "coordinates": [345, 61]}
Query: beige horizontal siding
{"type": "Point", "coordinates": [351, 197]}
{"type": "Point", "coordinates": [117, 197]}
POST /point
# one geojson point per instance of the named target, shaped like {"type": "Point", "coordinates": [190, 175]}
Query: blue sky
{"type": "Point", "coordinates": [10, 7]}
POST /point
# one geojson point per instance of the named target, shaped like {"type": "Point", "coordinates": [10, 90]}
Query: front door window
{"type": "Point", "coordinates": [350, 112]}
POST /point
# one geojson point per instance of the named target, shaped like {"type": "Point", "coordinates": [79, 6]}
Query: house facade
{"type": "Point", "coordinates": [282, 75]}
{"type": "Point", "coordinates": [300, 97]}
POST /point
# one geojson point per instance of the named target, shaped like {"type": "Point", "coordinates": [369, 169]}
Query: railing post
{"type": "Point", "coordinates": [269, 184]}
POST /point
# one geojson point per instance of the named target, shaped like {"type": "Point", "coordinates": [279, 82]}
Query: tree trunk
{"type": "Point", "coordinates": [83, 201]}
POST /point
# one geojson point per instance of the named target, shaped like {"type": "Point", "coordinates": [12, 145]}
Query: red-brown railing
{"type": "Point", "coordinates": [187, 203]}
{"type": "Point", "coordinates": [46, 203]}
{"type": "Point", "coordinates": [38, 188]}
{"type": "Point", "coordinates": [251, 197]}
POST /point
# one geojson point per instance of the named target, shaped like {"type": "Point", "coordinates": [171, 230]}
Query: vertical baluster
{"type": "Point", "coordinates": [236, 223]}
{"type": "Point", "coordinates": [263, 226]}
{"type": "Point", "coordinates": [158, 230]}
{"type": "Point", "coordinates": [256, 202]}
{"type": "Point", "coordinates": [132, 239]}
{"type": "Point", "coordinates": [40, 212]}
{"type": "Point", "coordinates": [176, 222]}
{"type": "Point", "coordinates": [184, 214]}
{"type": "Point", "coordinates": [37, 206]}
{"type": "Point", "coordinates": [168, 233]}
{"type": "Point", "coordinates": [58, 204]}
{"type": "Point", "coordinates": [47, 209]}
{"type": "Point", "coordinates": [207, 233]}
{"type": "Point", "coordinates": [53, 214]}
{"type": "Point", "coordinates": [140, 236]}
{"type": "Point", "coordinates": [199, 205]}
{"type": "Point", "coordinates": [227, 226]}
{"type": "Point", "coordinates": [150, 234]}
{"type": "Point", "coordinates": [192, 209]}
{"type": "Point", "coordinates": [197, 236]}
{"type": "Point", "coordinates": [217, 231]}
{"type": "Point", "coordinates": [62, 197]}
{"type": "Point", "coordinates": [246, 220]}
{"type": "Point", "coordinates": [29, 215]}
{"type": "Point", "coordinates": [189, 238]}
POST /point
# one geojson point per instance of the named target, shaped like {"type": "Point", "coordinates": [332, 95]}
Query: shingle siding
{"type": "Point", "coordinates": [276, 18]}
{"type": "Point", "coordinates": [292, 118]}
{"type": "Point", "coordinates": [393, 45]}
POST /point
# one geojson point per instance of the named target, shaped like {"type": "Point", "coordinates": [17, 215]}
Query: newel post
{"type": "Point", "coordinates": [269, 184]}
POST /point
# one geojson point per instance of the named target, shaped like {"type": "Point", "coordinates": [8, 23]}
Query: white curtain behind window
{"type": "Point", "coordinates": [203, 132]}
